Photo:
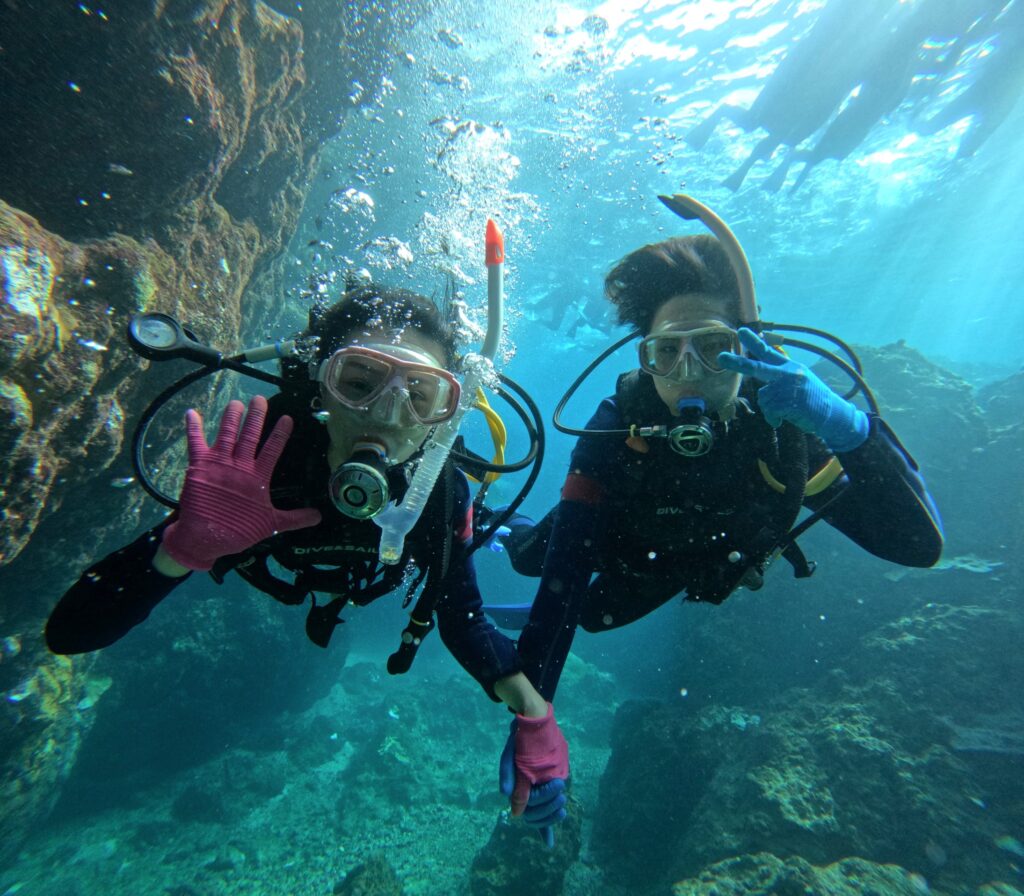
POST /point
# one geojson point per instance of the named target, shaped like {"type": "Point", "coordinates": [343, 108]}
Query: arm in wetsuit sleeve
{"type": "Point", "coordinates": [570, 560]}
{"type": "Point", "coordinates": [111, 598]}
{"type": "Point", "coordinates": [885, 508]}
{"type": "Point", "coordinates": [568, 565]}
{"type": "Point", "coordinates": [483, 651]}
{"type": "Point", "coordinates": [581, 518]}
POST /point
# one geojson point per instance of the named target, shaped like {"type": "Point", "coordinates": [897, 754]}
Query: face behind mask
{"type": "Point", "coordinates": [384, 400]}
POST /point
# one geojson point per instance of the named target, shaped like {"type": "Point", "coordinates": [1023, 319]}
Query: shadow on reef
{"type": "Point", "coordinates": [197, 694]}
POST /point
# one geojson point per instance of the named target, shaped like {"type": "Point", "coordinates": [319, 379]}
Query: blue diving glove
{"type": "Point", "coordinates": [532, 773]}
{"type": "Point", "coordinates": [494, 543]}
{"type": "Point", "coordinates": [793, 392]}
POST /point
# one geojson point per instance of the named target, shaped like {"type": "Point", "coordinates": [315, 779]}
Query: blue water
{"type": "Point", "coordinates": [563, 122]}
{"type": "Point", "coordinates": [580, 130]}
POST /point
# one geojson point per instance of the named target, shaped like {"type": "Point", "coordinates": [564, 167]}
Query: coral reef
{"type": "Point", "coordinates": [936, 413]}
{"type": "Point", "coordinates": [867, 763]}
{"type": "Point", "coordinates": [763, 874]}
{"type": "Point", "coordinates": [307, 808]}
{"type": "Point", "coordinates": [374, 877]}
{"type": "Point", "coordinates": [514, 861]}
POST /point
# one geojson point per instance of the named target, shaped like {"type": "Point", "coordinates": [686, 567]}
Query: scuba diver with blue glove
{"type": "Point", "coordinates": [303, 480]}
{"type": "Point", "coordinates": [690, 478]}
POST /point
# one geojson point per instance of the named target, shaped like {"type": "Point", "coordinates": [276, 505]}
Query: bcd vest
{"type": "Point", "coordinates": [709, 523]}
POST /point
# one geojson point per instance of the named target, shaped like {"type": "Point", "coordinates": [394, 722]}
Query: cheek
{"type": "Point", "coordinates": [722, 389]}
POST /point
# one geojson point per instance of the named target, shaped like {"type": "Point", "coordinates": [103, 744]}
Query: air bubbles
{"type": "Point", "coordinates": [350, 201]}
{"type": "Point", "coordinates": [388, 253]}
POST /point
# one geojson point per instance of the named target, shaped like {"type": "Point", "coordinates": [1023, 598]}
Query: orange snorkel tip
{"type": "Point", "coordinates": [494, 244]}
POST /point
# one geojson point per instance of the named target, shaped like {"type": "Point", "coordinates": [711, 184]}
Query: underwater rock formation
{"type": "Point", "coordinates": [763, 874]}
{"type": "Point", "coordinates": [966, 441]}
{"type": "Point", "coordinates": [374, 877]}
{"type": "Point", "coordinates": [154, 158]}
{"type": "Point", "coordinates": [871, 762]}
{"type": "Point", "coordinates": [514, 861]}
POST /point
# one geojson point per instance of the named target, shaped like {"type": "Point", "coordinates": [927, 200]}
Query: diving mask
{"type": "Point", "coordinates": [683, 355]}
{"type": "Point", "coordinates": [394, 384]}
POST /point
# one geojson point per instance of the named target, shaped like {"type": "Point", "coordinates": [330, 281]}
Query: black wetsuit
{"type": "Point", "coordinates": [656, 524]}
{"type": "Point", "coordinates": [337, 557]}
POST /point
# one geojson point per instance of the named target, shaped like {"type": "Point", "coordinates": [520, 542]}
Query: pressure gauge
{"type": "Point", "coordinates": [159, 337]}
{"type": "Point", "coordinates": [154, 334]}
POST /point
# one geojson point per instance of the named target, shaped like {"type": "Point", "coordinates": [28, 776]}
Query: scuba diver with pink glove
{"type": "Point", "coordinates": [302, 480]}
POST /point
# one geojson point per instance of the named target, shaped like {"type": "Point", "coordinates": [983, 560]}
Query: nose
{"type": "Point", "coordinates": [387, 409]}
{"type": "Point", "coordinates": [689, 368]}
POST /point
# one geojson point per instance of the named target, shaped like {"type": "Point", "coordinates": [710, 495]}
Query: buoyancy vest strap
{"type": "Point", "coordinates": [321, 621]}
{"type": "Point", "coordinates": [793, 458]}
{"type": "Point", "coordinates": [256, 573]}
{"type": "Point", "coordinates": [802, 567]}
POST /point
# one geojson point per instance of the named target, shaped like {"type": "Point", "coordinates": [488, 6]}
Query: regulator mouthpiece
{"type": "Point", "coordinates": [359, 487]}
{"type": "Point", "coordinates": [694, 435]}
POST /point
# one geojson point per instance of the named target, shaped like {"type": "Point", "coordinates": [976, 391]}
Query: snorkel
{"type": "Point", "coordinates": [397, 520]}
{"type": "Point", "coordinates": [694, 437]}
{"type": "Point", "coordinates": [689, 209]}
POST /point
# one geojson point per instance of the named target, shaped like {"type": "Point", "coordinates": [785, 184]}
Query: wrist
{"type": "Point", "coordinates": [852, 435]}
{"type": "Point", "coordinates": [534, 722]}
{"type": "Point", "coordinates": [166, 565]}
{"type": "Point", "coordinates": [521, 696]}
{"type": "Point", "coordinates": [534, 707]}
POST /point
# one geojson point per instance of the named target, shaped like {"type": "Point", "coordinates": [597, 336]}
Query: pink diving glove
{"type": "Point", "coordinates": [534, 769]}
{"type": "Point", "coordinates": [225, 504]}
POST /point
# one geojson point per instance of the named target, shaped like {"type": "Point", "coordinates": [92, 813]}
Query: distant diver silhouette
{"type": "Point", "coordinates": [993, 94]}
{"type": "Point", "coordinates": [802, 93]}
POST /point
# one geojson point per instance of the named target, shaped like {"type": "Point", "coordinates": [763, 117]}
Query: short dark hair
{"type": "Point", "coordinates": [370, 306]}
{"type": "Point", "coordinates": [649, 276]}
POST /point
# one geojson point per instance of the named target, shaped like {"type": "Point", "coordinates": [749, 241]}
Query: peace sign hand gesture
{"type": "Point", "coordinates": [793, 392]}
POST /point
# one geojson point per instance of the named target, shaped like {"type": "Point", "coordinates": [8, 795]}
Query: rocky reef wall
{"type": "Point", "coordinates": [153, 157]}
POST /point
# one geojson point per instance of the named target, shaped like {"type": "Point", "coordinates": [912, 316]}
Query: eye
{"type": "Point", "coordinates": [357, 379]}
{"type": "Point", "coordinates": [422, 393]}
{"type": "Point", "coordinates": [716, 343]}
{"type": "Point", "coordinates": [358, 384]}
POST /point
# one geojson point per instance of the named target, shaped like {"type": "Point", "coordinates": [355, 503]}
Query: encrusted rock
{"type": "Point", "coordinates": [763, 874]}
{"type": "Point", "coordinates": [154, 158]}
{"type": "Point", "coordinates": [374, 877]}
{"type": "Point", "coordinates": [515, 861]}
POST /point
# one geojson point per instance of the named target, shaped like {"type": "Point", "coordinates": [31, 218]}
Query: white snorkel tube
{"type": "Point", "coordinates": [396, 520]}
